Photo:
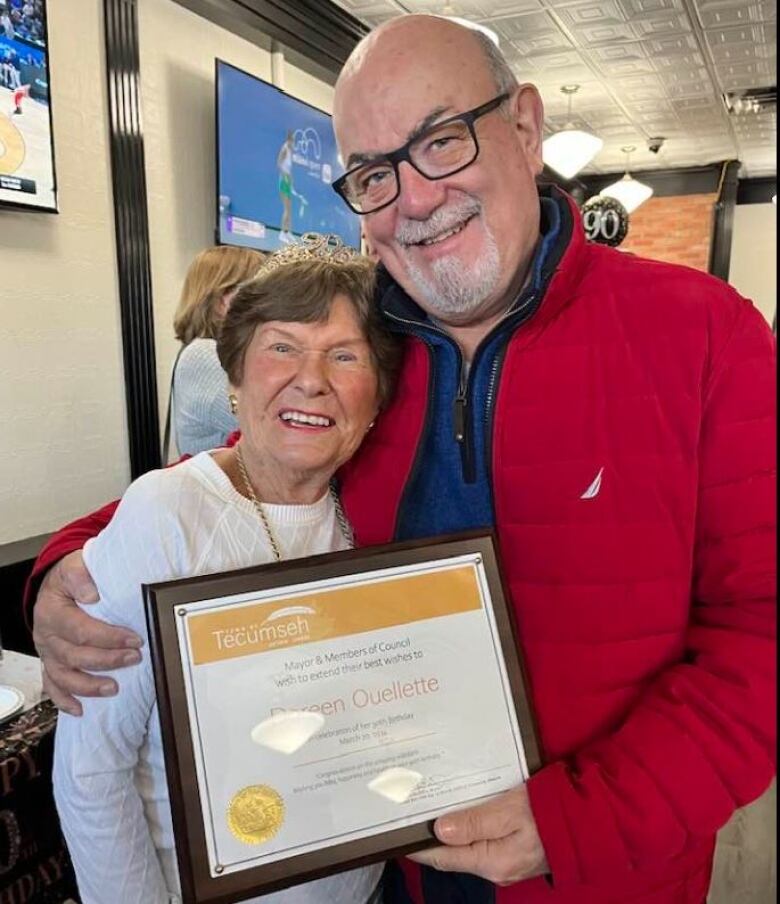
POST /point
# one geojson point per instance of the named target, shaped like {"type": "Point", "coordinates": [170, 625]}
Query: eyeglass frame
{"type": "Point", "coordinates": [401, 155]}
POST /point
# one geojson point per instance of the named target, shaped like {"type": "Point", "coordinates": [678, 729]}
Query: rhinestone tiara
{"type": "Point", "coordinates": [311, 247]}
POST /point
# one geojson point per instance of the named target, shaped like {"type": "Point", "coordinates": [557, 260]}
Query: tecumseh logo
{"type": "Point", "coordinates": [281, 626]}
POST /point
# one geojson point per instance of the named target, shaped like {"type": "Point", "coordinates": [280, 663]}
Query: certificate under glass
{"type": "Point", "coordinates": [322, 713]}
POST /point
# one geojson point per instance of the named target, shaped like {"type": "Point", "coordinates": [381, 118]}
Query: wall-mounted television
{"type": "Point", "coordinates": [276, 159]}
{"type": "Point", "coordinates": [27, 177]}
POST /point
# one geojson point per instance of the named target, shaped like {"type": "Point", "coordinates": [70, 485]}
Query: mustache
{"type": "Point", "coordinates": [412, 232]}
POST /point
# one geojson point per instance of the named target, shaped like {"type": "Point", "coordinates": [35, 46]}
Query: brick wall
{"type": "Point", "coordinates": [676, 229]}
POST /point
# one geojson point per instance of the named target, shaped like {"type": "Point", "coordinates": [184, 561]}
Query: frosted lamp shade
{"type": "Point", "coordinates": [629, 192]}
{"type": "Point", "coordinates": [568, 151]}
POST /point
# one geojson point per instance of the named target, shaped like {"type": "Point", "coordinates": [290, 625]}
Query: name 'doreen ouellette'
{"type": "Point", "coordinates": [363, 697]}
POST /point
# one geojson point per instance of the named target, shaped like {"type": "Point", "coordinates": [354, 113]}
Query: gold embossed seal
{"type": "Point", "coordinates": [255, 814]}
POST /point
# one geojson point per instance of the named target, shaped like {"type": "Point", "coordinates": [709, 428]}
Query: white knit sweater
{"type": "Point", "coordinates": [109, 772]}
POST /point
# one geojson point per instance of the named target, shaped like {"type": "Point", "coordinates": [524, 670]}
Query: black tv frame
{"type": "Point", "coordinates": [257, 78]}
{"type": "Point", "coordinates": [20, 205]}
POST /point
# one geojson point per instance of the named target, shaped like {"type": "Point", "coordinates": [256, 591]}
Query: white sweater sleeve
{"type": "Point", "coordinates": [100, 808]}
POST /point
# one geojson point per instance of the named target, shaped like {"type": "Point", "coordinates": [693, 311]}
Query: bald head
{"type": "Point", "coordinates": [457, 242]}
{"type": "Point", "coordinates": [421, 39]}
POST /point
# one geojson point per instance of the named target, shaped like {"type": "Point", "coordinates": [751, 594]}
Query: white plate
{"type": "Point", "coordinates": [11, 701]}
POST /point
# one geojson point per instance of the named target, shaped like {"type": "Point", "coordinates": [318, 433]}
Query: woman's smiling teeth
{"type": "Point", "coordinates": [311, 420]}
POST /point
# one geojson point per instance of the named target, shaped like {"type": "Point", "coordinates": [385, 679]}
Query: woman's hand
{"type": "Point", "coordinates": [68, 640]}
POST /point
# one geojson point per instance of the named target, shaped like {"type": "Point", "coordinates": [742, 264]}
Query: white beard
{"type": "Point", "coordinates": [451, 287]}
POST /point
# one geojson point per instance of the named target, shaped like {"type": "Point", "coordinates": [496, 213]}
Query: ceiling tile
{"type": "Point", "coordinates": [635, 9]}
{"type": "Point", "coordinates": [724, 15]}
{"type": "Point", "coordinates": [496, 9]}
{"type": "Point", "coordinates": [639, 81]}
{"type": "Point", "coordinates": [679, 45]}
{"type": "Point", "coordinates": [683, 74]}
{"type": "Point", "coordinates": [671, 24]}
{"type": "Point", "coordinates": [525, 26]}
{"type": "Point", "coordinates": [633, 96]}
{"type": "Point", "coordinates": [621, 68]}
{"type": "Point", "coordinates": [647, 67]}
{"type": "Point", "coordinates": [532, 45]}
{"type": "Point", "coordinates": [591, 12]}
{"type": "Point", "coordinates": [662, 63]}
{"type": "Point", "coordinates": [567, 62]}
{"type": "Point", "coordinates": [693, 104]}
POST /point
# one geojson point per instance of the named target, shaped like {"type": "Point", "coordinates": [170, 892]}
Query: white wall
{"type": "Point", "coordinates": [177, 76]}
{"type": "Point", "coordinates": [63, 444]}
{"type": "Point", "coordinates": [63, 441]}
{"type": "Point", "coordinates": [753, 270]}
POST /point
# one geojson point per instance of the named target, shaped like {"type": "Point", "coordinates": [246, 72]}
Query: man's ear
{"type": "Point", "coordinates": [527, 115]}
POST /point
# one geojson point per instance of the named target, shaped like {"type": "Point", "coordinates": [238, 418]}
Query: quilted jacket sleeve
{"type": "Point", "coordinates": [701, 742]}
{"type": "Point", "coordinates": [67, 539]}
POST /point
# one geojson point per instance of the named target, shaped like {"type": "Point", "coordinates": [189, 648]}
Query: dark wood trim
{"type": "Point", "coordinates": [318, 30]}
{"type": "Point", "coordinates": [576, 187]}
{"type": "Point", "coordinates": [756, 191]}
{"type": "Point", "coordinates": [689, 180]}
{"type": "Point", "coordinates": [723, 221]}
{"type": "Point", "coordinates": [131, 224]}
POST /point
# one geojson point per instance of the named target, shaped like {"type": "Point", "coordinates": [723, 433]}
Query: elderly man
{"type": "Point", "coordinates": [613, 419]}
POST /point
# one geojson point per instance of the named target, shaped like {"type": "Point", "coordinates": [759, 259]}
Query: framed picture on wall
{"type": "Point", "coordinates": [27, 174]}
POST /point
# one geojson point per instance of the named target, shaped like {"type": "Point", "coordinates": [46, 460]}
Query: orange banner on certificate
{"type": "Point", "coordinates": [330, 613]}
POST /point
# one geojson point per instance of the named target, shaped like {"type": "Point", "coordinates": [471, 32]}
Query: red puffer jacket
{"type": "Point", "coordinates": [633, 467]}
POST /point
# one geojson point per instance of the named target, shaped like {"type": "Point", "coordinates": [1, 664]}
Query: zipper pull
{"type": "Point", "coordinates": [459, 417]}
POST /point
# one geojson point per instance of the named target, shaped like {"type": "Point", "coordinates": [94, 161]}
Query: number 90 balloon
{"type": "Point", "coordinates": [605, 220]}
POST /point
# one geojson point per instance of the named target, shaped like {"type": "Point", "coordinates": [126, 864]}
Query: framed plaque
{"type": "Point", "coordinates": [319, 714]}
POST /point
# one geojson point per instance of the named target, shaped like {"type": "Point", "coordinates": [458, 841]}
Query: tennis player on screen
{"type": "Point", "coordinates": [284, 162]}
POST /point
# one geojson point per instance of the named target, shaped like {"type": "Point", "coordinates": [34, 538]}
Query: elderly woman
{"type": "Point", "coordinates": [309, 367]}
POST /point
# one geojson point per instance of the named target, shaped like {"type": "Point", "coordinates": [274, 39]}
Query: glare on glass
{"type": "Point", "coordinates": [442, 150]}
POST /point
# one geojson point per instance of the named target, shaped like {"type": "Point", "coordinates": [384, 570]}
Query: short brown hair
{"type": "Point", "coordinates": [213, 272]}
{"type": "Point", "coordinates": [302, 292]}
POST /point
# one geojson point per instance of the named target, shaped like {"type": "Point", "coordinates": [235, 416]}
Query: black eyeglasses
{"type": "Point", "coordinates": [444, 149]}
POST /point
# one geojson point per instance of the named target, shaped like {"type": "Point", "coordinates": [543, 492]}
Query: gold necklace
{"type": "Point", "coordinates": [341, 518]}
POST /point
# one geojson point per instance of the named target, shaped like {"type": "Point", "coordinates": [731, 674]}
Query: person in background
{"type": "Point", "coordinates": [199, 409]}
{"type": "Point", "coordinates": [302, 339]}
{"type": "Point", "coordinates": [18, 96]}
{"type": "Point", "coordinates": [613, 420]}
{"type": "Point", "coordinates": [284, 163]}
{"type": "Point", "coordinates": [6, 24]}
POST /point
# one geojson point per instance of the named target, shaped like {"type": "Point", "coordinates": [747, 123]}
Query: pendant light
{"type": "Point", "coordinates": [569, 150]}
{"type": "Point", "coordinates": [629, 191]}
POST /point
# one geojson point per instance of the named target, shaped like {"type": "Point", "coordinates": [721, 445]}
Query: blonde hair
{"type": "Point", "coordinates": [213, 272]}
